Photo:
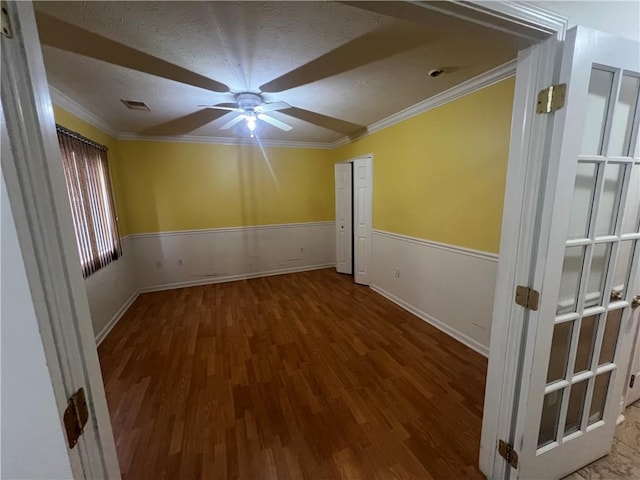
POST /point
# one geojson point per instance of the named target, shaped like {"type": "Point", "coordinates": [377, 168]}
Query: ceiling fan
{"type": "Point", "coordinates": [252, 108]}
{"type": "Point", "coordinates": [249, 106]}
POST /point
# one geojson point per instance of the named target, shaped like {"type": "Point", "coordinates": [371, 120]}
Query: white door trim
{"type": "Point", "coordinates": [538, 67]}
{"type": "Point", "coordinates": [40, 207]}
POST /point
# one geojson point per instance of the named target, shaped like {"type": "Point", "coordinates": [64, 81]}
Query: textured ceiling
{"type": "Point", "coordinates": [358, 64]}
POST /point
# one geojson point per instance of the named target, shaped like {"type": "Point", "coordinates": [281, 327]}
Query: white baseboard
{"type": "Point", "coordinates": [233, 278]}
{"type": "Point", "coordinates": [461, 337]}
{"type": "Point", "coordinates": [116, 318]}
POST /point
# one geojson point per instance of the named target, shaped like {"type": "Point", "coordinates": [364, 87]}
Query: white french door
{"type": "Point", "coordinates": [578, 342]}
{"type": "Point", "coordinates": [344, 217]}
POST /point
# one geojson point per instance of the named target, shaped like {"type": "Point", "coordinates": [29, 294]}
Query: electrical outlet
{"type": "Point", "coordinates": [158, 264]}
{"type": "Point", "coordinates": [397, 273]}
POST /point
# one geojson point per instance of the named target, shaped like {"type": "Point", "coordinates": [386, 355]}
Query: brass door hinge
{"type": "Point", "coordinates": [7, 31]}
{"type": "Point", "coordinates": [551, 99]}
{"type": "Point", "coordinates": [507, 452]}
{"type": "Point", "coordinates": [75, 417]}
{"type": "Point", "coordinates": [527, 297]}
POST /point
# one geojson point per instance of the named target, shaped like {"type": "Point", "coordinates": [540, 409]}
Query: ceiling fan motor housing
{"type": "Point", "coordinates": [248, 101]}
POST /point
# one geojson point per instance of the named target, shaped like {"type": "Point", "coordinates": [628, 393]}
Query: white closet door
{"type": "Point", "coordinates": [362, 188]}
{"type": "Point", "coordinates": [344, 218]}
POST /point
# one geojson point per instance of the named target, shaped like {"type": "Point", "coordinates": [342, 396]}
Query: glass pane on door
{"type": "Point", "coordinates": [570, 280]}
{"type": "Point", "coordinates": [610, 337]}
{"type": "Point", "coordinates": [622, 119]}
{"type": "Point", "coordinates": [599, 397]}
{"type": "Point", "coordinates": [559, 351]}
{"type": "Point", "coordinates": [611, 192]}
{"type": "Point", "coordinates": [600, 86]}
{"type": "Point", "coordinates": [585, 343]}
{"type": "Point", "coordinates": [550, 415]}
{"type": "Point", "coordinates": [584, 191]}
{"type": "Point", "coordinates": [576, 406]}
{"type": "Point", "coordinates": [622, 270]}
{"type": "Point", "coordinates": [631, 222]}
{"type": "Point", "coordinates": [597, 275]}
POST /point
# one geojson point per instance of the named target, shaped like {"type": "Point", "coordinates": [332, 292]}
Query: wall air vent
{"type": "Point", "coordinates": [133, 105]}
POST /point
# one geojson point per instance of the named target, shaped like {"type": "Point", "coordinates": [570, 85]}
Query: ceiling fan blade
{"type": "Point", "coordinates": [186, 123]}
{"type": "Point", "coordinates": [330, 123]}
{"type": "Point", "coordinates": [68, 37]}
{"type": "Point", "coordinates": [275, 122]}
{"type": "Point", "coordinates": [222, 106]}
{"type": "Point", "coordinates": [233, 121]}
{"type": "Point", "coordinates": [370, 47]}
{"type": "Point", "coordinates": [273, 106]}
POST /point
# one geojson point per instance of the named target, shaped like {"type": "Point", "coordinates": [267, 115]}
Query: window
{"type": "Point", "coordinates": [86, 173]}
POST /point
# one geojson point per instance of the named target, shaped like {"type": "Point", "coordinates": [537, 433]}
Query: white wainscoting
{"type": "Point", "coordinates": [111, 290]}
{"type": "Point", "coordinates": [450, 287]}
{"type": "Point", "coordinates": [196, 257]}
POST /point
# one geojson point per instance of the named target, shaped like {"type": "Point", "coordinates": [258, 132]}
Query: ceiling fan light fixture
{"type": "Point", "coordinates": [251, 121]}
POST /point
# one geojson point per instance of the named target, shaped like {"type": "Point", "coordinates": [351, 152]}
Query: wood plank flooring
{"type": "Point", "coordinates": [300, 376]}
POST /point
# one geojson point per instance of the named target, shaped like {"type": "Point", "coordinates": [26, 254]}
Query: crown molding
{"type": "Point", "coordinates": [483, 80]}
{"type": "Point", "coordinates": [79, 111]}
{"type": "Point", "coordinates": [525, 13]}
{"type": "Point", "coordinates": [221, 141]}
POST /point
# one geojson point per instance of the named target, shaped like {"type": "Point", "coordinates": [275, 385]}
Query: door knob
{"type": "Point", "coordinates": [616, 295]}
{"type": "Point", "coordinates": [635, 302]}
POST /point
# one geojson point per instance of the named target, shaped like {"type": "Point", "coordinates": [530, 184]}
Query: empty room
{"type": "Point", "coordinates": [357, 240]}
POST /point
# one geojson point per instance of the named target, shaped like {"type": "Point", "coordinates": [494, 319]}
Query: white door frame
{"type": "Point", "coordinates": [538, 67]}
{"type": "Point", "coordinates": [40, 206]}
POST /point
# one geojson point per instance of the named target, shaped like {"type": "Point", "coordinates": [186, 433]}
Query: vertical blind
{"type": "Point", "coordinates": [86, 172]}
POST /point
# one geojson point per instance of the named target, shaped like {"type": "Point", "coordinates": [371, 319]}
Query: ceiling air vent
{"type": "Point", "coordinates": [133, 105]}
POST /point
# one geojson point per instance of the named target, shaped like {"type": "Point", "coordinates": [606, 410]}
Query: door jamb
{"type": "Point", "coordinates": [538, 67]}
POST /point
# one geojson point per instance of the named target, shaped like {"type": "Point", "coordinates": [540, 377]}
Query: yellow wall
{"type": "Point", "coordinates": [182, 186]}
{"type": "Point", "coordinates": [441, 175]}
{"type": "Point", "coordinates": [438, 176]}
{"type": "Point", "coordinates": [167, 186]}
{"type": "Point", "coordinates": [72, 122]}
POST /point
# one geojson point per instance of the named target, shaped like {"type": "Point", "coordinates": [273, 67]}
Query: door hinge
{"type": "Point", "coordinates": [632, 381]}
{"type": "Point", "coordinates": [507, 452]}
{"type": "Point", "coordinates": [527, 297]}
{"type": "Point", "coordinates": [551, 99]}
{"type": "Point", "coordinates": [75, 417]}
{"type": "Point", "coordinates": [7, 31]}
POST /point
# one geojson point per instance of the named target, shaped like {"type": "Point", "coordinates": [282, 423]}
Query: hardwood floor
{"type": "Point", "coordinates": [295, 376]}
